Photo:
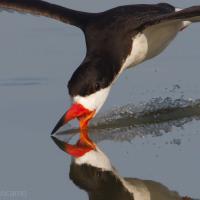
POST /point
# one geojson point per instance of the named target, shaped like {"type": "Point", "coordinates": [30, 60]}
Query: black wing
{"type": "Point", "coordinates": [189, 14]}
{"type": "Point", "coordinates": [42, 8]}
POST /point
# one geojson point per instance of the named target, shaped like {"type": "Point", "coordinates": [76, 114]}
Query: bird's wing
{"type": "Point", "coordinates": [191, 14]}
{"type": "Point", "coordinates": [42, 8]}
{"type": "Point", "coordinates": [155, 189]}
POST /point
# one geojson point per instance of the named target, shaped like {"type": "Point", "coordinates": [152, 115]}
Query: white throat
{"type": "Point", "coordinates": [95, 158]}
{"type": "Point", "coordinates": [93, 101]}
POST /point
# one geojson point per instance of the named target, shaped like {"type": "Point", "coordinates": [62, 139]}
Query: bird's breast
{"type": "Point", "coordinates": [151, 42]}
{"type": "Point", "coordinates": [138, 51]}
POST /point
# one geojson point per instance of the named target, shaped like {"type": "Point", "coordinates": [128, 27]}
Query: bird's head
{"type": "Point", "coordinates": [75, 150]}
{"type": "Point", "coordinates": [88, 87]}
{"type": "Point", "coordinates": [84, 154]}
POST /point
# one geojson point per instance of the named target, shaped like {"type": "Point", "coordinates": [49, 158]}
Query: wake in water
{"type": "Point", "coordinates": [154, 118]}
{"type": "Point", "coordinates": [23, 81]}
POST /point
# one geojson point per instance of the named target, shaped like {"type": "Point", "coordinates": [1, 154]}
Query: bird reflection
{"type": "Point", "coordinates": [91, 170]}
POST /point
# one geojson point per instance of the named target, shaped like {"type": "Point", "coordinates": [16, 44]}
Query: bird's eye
{"type": "Point", "coordinates": [97, 86]}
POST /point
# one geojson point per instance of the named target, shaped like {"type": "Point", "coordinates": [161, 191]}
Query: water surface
{"type": "Point", "coordinates": [38, 56]}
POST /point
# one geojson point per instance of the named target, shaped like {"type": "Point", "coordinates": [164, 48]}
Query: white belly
{"type": "Point", "coordinates": [160, 36]}
{"type": "Point", "coordinates": [151, 42]}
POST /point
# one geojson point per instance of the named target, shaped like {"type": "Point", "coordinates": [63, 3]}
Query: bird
{"type": "Point", "coordinates": [116, 39]}
{"type": "Point", "coordinates": [91, 170]}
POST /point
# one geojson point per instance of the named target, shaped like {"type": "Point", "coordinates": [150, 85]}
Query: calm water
{"type": "Point", "coordinates": [151, 131]}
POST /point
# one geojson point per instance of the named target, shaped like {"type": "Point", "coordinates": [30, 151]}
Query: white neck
{"type": "Point", "coordinates": [95, 100]}
{"type": "Point", "coordinates": [95, 158]}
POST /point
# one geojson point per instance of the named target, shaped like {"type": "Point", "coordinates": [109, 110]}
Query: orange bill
{"type": "Point", "coordinates": [75, 111]}
{"type": "Point", "coordinates": [77, 150]}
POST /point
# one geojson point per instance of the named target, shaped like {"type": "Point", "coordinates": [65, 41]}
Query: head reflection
{"type": "Point", "coordinates": [92, 171]}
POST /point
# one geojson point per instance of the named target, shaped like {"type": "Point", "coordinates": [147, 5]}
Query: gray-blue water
{"type": "Point", "coordinates": [38, 56]}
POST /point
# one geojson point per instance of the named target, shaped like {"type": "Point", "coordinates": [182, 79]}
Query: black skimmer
{"type": "Point", "coordinates": [92, 171]}
{"type": "Point", "coordinates": [116, 39]}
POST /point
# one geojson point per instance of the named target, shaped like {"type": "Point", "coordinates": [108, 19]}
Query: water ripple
{"type": "Point", "coordinates": [24, 81]}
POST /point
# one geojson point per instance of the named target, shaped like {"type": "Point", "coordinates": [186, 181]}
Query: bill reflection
{"type": "Point", "coordinates": [92, 171]}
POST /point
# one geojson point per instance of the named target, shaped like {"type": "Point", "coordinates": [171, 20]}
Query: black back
{"type": "Point", "coordinates": [109, 41]}
{"type": "Point", "coordinates": [100, 185]}
{"type": "Point", "coordinates": [108, 35]}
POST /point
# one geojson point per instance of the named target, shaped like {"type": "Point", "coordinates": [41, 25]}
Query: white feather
{"type": "Point", "coordinates": [95, 158]}
{"type": "Point", "coordinates": [140, 191]}
{"type": "Point", "coordinates": [185, 23]}
{"type": "Point", "coordinates": [178, 9]}
{"type": "Point", "coordinates": [95, 100]}
{"type": "Point", "coordinates": [152, 41]}
{"type": "Point", "coordinates": [138, 52]}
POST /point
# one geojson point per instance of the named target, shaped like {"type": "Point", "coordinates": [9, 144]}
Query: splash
{"type": "Point", "coordinates": [155, 118]}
